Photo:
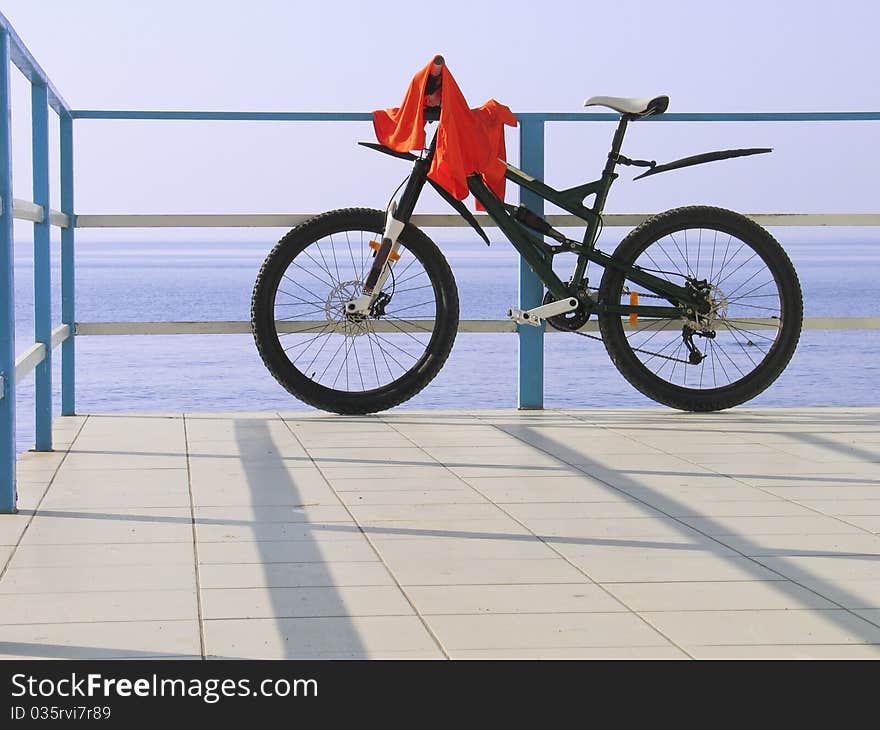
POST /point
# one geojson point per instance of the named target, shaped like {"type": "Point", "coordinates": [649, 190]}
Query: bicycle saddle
{"type": "Point", "coordinates": [639, 107]}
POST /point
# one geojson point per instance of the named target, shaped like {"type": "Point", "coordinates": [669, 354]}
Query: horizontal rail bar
{"type": "Point", "coordinates": [522, 116]}
{"type": "Point", "coordinates": [706, 117]}
{"type": "Point", "coordinates": [59, 334]}
{"type": "Point", "coordinates": [225, 116]}
{"type": "Point", "coordinates": [439, 220]}
{"type": "Point", "coordinates": [842, 323]}
{"type": "Point", "coordinates": [59, 219]}
{"type": "Point", "coordinates": [27, 362]}
{"type": "Point", "coordinates": [26, 63]}
{"type": "Point", "coordinates": [25, 210]}
{"type": "Point", "coordinates": [241, 327]}
{"type": "Point", "coordinates": [465, 325]}
{"type": "Point", "coordinates": [194, 220]}
{"type": "Point", "coordinates": [764, 219]}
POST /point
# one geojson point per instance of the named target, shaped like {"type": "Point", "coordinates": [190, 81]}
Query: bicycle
{"type": "Point", "coordinates": [356, 310]}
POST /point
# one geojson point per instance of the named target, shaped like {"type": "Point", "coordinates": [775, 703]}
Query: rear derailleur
{"type": "Point", "coordinates": [699, 321]}
{"type": "Point", "coordinates": [695, 357]}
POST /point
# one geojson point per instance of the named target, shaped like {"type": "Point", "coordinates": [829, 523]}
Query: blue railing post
{"type": "Point", "coordinates": [7, 292]}
{"type": "Point", "coordinates": [531, 290]}
{"type": "Point", "coordinates": [42, 264]}
{"type": "Point", "coordinates": [68, 351]}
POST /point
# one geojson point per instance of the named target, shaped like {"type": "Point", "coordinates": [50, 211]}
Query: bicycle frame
{"type": "Point", "coordinates": [537, 253]}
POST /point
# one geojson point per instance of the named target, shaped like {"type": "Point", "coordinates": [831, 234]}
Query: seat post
{"type": "Point", "coordinates": [608, 174]}
{"type": "Point", "coordinates": [616, 144]}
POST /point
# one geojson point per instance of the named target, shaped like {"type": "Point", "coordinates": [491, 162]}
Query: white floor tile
{"type": "Point", "coordinates": [716, 595]}
{"type": "Point", "coordinates": [543, 630]}
{"type": "Point", "coordinates": [108, 640]}
{"type": "Point", "coordinates": [303, 602]}
{"type": "Point", "coordinates": [85, 555]}
{"type": "Point", "coordinates": [361, 637]}
{"type": "Point", "coordinates": [282, 575]}
{"type": "Point", "coordinates": [127, 605]}
{"type": "Point", "coordinates": [722, 628]}
{"type": "Point", "coordinates": [541, 598]}
{"type": "Point", "coordinates": [85, 577]}
{"type": "Point", "coordinates": [287, 551]}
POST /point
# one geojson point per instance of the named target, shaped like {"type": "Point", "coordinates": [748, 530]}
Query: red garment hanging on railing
{"type": "Point", "coordinates": [468, 140]}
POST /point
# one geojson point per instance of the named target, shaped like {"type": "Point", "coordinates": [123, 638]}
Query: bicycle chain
{"type": "Point", "coordinates": [639, 349]}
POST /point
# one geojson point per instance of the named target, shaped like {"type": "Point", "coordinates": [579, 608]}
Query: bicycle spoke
{"type": "Point", "coordinates": [730, 292]}
{"type": "Point", "coordinates": [396, 347]}
{"type": "Point", "coordinates": [308, 342]}
{"type": "Point", "coordinates": [721, 281]}
{"type": "Point", "coordinates": [408, 334]}
{"type": "Point", "coordinates": [400, 281]}
{"type": "Point", "coordinates": [301, 286]}
{"type": "Point", "coordinates": [660, 352]}
{"type": "Point", "coordinates": [312, 274]}
{"type": "Point", "coordinates": [358, 364]}
{"type": "Point", "coordinates": [304, 329]}
{"type": "Point", "coordinates": [413, 306]}
{"type": "Point", "coordinates": [351, 253]}
{"type": "Point", "coordinates": [335, 261]}
{"type": "Point", "coordinates": [323, 267]}
{"type": "Point", "coordinates": [410, 322]}
{"type": "Point", "coordinates": [724, 264]}
{"type": "Point", "coordinates": [415, 288]}
{"type": "Point", "coordinates": [373, 355]}
{"type": "Point", "coordinates": [384, 353]}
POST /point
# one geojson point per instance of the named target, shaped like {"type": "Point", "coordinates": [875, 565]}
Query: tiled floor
{"type": "Point", "coordinates": [596, 533]}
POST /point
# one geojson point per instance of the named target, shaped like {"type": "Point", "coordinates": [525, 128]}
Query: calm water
{"type": "Point", "coordinates": [186, 281]}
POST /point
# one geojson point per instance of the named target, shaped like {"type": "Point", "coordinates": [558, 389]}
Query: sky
{"type": "Point", "coordinates": [340, 55]}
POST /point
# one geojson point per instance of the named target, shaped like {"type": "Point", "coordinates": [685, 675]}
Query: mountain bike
{"type": "Point", "coordinates": [356, 310]}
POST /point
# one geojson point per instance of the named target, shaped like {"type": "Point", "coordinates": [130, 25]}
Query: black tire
{"type": "Point", "coordinates": [322, 263]}
{"type": "Point", "coordinates": [756, 332]}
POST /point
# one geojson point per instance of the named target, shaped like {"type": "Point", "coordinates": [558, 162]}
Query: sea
{"type": "Point", "coordinates": [173, 280]}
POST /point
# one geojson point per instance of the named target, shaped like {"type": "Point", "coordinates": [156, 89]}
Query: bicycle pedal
{"type": "Point", "coordinates": [521, 317]}
{"type": "Point", "coordinates": [536, 316]}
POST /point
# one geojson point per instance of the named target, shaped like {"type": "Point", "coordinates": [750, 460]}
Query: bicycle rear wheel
{"type": "Point", "coordinates": [745, 342]}
{"type": "Point", "coordinates": [349, 364]}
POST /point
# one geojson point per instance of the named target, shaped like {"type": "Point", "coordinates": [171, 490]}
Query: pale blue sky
{"type": "Point", "coordinates": [778, 55]}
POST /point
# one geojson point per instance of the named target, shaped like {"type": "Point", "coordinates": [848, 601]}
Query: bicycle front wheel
{"type": "Point", "coordinates": [347, 364]}
{"type": "Point", "coordinates": [742, 345]}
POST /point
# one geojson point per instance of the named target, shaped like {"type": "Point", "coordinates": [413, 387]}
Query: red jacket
{"type": "Point", "coordinates": [468, 140]}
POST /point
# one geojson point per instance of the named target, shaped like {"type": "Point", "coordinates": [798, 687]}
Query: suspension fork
{"type": "Point", "coordinates": [395, 221]}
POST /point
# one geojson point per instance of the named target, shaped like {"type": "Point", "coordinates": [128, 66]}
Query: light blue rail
{"type": "Point", "coordinates": [39, 357]}
{"type": "Point", "coordinates": [43, 97]}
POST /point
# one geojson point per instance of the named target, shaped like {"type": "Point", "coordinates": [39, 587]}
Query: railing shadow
{"type": "Point", "coordinates": [670, 507]}
{"type": "Point", "coordinates": [75, 651]}
{"type": "Point", "coordinates": [253, 437]}
{"type": "Point", "coordinates": [356, 531]}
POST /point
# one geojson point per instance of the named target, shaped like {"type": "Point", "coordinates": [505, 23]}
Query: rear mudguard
{"type": "Point", "coordinates": [700, 159]}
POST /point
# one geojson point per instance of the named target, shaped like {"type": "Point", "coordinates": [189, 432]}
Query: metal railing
{"type": "Point", "coordinates": [38, 357]}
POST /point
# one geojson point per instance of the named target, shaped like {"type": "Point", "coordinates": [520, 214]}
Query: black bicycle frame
{"type": "Point", "coordinates": [539, 255]}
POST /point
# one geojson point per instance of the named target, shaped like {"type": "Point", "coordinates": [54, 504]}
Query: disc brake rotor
{"type": "Point", "coordinates": [334, 308]}
{"type": "Point", "coordinates": [705, 323]}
